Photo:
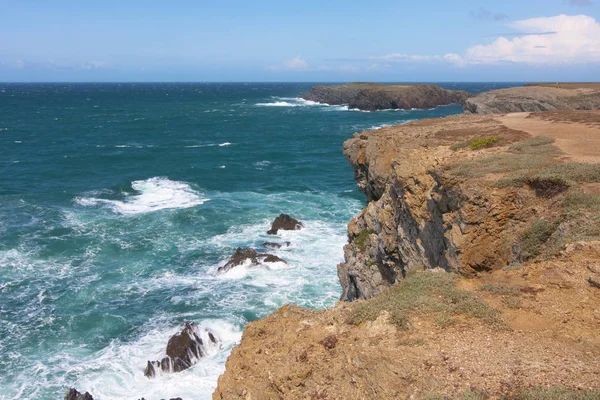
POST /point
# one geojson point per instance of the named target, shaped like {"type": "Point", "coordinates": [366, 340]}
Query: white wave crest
{"type": "Point", "coordinates": [153, 194]}
{"type": "Point", "coordinates": [224, 144]}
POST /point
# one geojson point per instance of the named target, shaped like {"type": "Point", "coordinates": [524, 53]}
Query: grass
{"type": "Point", "coordinates": [535, 145]}
{"type": "Point", "coordinates": [520, 160]}
{"type": "Point", "coordinates": [535, 236]}
{"type": "Point", "coordinates": [500, 163]}
{"type": "Point", "coordinates": [427, 292]}
{"type": "Point", "coordinates": [362, 237]}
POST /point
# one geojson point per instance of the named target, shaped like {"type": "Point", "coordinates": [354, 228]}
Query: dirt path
{"type": "Point", "coordinates": [578, 137]}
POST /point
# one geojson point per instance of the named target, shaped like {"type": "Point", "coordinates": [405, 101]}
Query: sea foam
{"type": "Point", "coordinates": [152, 195]}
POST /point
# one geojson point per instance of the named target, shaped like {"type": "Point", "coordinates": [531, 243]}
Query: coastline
{"type": "Point", "coordinates": [416, 185]}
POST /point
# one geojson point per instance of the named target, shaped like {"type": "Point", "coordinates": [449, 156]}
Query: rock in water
{"type": "Point", "coordinates": [270, 258]}
{"type": "Point", "coordinates": [73, 394]}
{"type": "Point", "coordinates": [183, 350]}
{"type": "Point", "coordinates": [286, 223]}
{"type": "Point", "coordinates": [242, 256]}
{"type": "Point", "coordinates": [274, 245]}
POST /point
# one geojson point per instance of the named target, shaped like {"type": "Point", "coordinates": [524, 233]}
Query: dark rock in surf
{"type": "Point", "coordinates": [243, 256]}
{"type": "Point", "coordinates": [184, 349]}
{"type": "Point", "coordinates": [274, 245]}
{"type": "Point", "coordinates": [270, 258]}
{"type": "Point", "coordinates": [240, 257]}
{"type": "Point", "coordinates": [73, 394]}
{"type": "Point", "coordinates": [286, 223]}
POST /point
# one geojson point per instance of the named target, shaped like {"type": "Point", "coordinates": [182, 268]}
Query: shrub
{"type": "Point", "coordinates": [576, 172]}
{"type": "Point", "coordinates": [483, 142]}
{"type": "Point", "coordinates": [362, 237]}
{"type": "Point", "coordinates": [533, 238]}
{"type": "Point", "coordinates": [535, 145]}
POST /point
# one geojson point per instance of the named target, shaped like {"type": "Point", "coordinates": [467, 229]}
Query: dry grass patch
{"type": "Point", "coordinates": [427, 292]}
{"type": "Point", "coordinates": [556, 393]}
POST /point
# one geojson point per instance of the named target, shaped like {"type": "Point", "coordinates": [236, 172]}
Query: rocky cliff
{"type": "Point", "coordinates": [373, 97]}
{"type": "Point", "coordinates": [473, 271]}
{"type": "Point", "coordinates": [533, 98]}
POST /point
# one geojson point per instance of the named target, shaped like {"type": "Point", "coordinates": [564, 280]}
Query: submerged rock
{"type": "Point", "coordinates": [243, 256]}
{"type": "Point", "coordinates": [73, 394]}
{"type": "Point", "coordinates": [286, 223]}
{"type": "Point", "coordinates": [184, 349]}
{"type": "Point", "coordinates": [274, 245]}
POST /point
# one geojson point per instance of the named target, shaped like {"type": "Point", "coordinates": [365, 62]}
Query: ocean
{"type": "Point", "coordinates": [118, 202]}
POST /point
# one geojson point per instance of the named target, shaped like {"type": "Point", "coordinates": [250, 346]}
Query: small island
{"type": "Point", "coordinates": [376, 96]}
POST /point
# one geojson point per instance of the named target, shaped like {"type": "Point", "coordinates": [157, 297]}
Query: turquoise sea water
{"type": "Point", "coordinates": [118, 202]}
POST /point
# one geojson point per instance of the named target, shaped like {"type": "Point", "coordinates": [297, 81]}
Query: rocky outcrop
{"type": "Point", "coordinates": [250, 257]}
{"type": "Point", "coordinates": [73, 394]}
{"type": "Point", "coordinates": [421, 215]}
{"type": "Point", "coordinates": [286, 223]}
{"type": "Point", "coordinates": [373, 96]}
{"type": "Point", "coordinates": [535, 98]}
{"type": "Point", "coordinates": [184, 349]}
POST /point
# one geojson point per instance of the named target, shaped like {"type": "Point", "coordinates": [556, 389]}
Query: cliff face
{"type": "Point", "coordinates": [535, 98]}
{"type": "Point", "coordinates": [420, 214]}
{"type": "Point", "coordinates": [372, 97]}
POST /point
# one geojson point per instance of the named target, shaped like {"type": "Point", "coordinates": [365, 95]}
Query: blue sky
{"type": "Point", "coordinates": [307, 40]}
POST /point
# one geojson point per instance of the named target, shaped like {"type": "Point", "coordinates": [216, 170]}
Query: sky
{"type": "Point", "coordinates": [299, 40]}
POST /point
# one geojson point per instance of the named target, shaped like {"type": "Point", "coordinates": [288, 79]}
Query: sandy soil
{"type": "Point", "coordinates": [577, 133]}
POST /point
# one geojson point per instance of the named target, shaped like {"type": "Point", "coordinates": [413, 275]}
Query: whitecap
{"type": "Point", "coordinates": [224, 144]}
{"type": "Point", "coordinates": [152, 195]}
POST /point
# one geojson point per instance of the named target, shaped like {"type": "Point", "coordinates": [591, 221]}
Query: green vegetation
{"type": "Point", "coordinates": [475, 143]}
{"type": "Point", "coordinates": [575, 172]}
{"type": "Point", "coordinates": [533, 238]}
{"type": "Point", "coordinates": [427, 292]}
{"type": "Point", "coordinates": [555, 393]}
{"type": "Point", "coordinates": [535, 145]}
{"type": "Point", "coordinates": [576, 201]}
{"type": "Point", "coordinates": [483, 142]}
{"type": "Point", "coordinates": [362, 237]}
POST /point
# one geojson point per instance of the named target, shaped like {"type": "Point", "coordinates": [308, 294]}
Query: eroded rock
{"type": "Point", "coordinates": [286, 223]}
{"type": "Point", "coordinates": [184, 349]}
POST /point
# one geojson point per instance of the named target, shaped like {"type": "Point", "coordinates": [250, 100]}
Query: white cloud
{"type": "Point", "coordinates": [299, 64]}
{"type": "Point", "coordinates": [295, 64]}
{"type": "Point", "coordinates": [561, 39]}
{"type": "Point", "coordinates": [574, 39]}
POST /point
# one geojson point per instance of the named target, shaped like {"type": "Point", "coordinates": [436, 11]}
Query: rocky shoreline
{"type": "Point", "coordinates": [534, 98]}
{"type": "Point", "coordinates": [374, 97]}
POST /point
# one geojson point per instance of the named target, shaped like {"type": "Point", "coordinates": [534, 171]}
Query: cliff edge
{"type": "Point", "coordinates": [374, 96]}
{"type": "Point", "coordinates": [536, 97]}
{"type": "Point", "coordinates": [473, 271]}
